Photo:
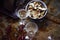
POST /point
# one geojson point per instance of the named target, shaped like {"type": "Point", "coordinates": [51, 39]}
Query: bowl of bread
{"type": "Point", "coordinates": [36, 9]}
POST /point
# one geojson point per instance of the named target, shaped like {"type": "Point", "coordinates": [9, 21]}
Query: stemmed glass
{"type": "Point", "coordinates": [31, 28]}
{"type": "Point", "coordinates": [22, 14]}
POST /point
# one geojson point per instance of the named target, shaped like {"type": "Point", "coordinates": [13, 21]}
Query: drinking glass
{"type": "Point", "coordinates": [31, 28]}
{"type": "Point", "coordinates": [22, 14]}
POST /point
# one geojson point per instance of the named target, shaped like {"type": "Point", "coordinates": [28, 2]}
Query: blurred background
{"type": "Point", "coordinates": [49, 27]}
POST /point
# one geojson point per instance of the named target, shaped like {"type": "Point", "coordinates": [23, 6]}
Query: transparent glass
{"type": "Point", "coordinates": [31, 28]}
{"type": "Point", "coordinates": [22, 14]}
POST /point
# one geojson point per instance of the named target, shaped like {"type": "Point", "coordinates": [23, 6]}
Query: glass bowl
{"type": "Point", "coordinates": [33, 9]}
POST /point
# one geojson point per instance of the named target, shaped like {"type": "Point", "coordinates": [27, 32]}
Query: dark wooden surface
{"type": "Point", "coordinates": [49, 27]}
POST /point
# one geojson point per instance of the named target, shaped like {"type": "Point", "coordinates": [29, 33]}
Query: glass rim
{"type": "Point", "coordinates": [36, 26]}
{"type": "Point", "coordinates": [17, 13]}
